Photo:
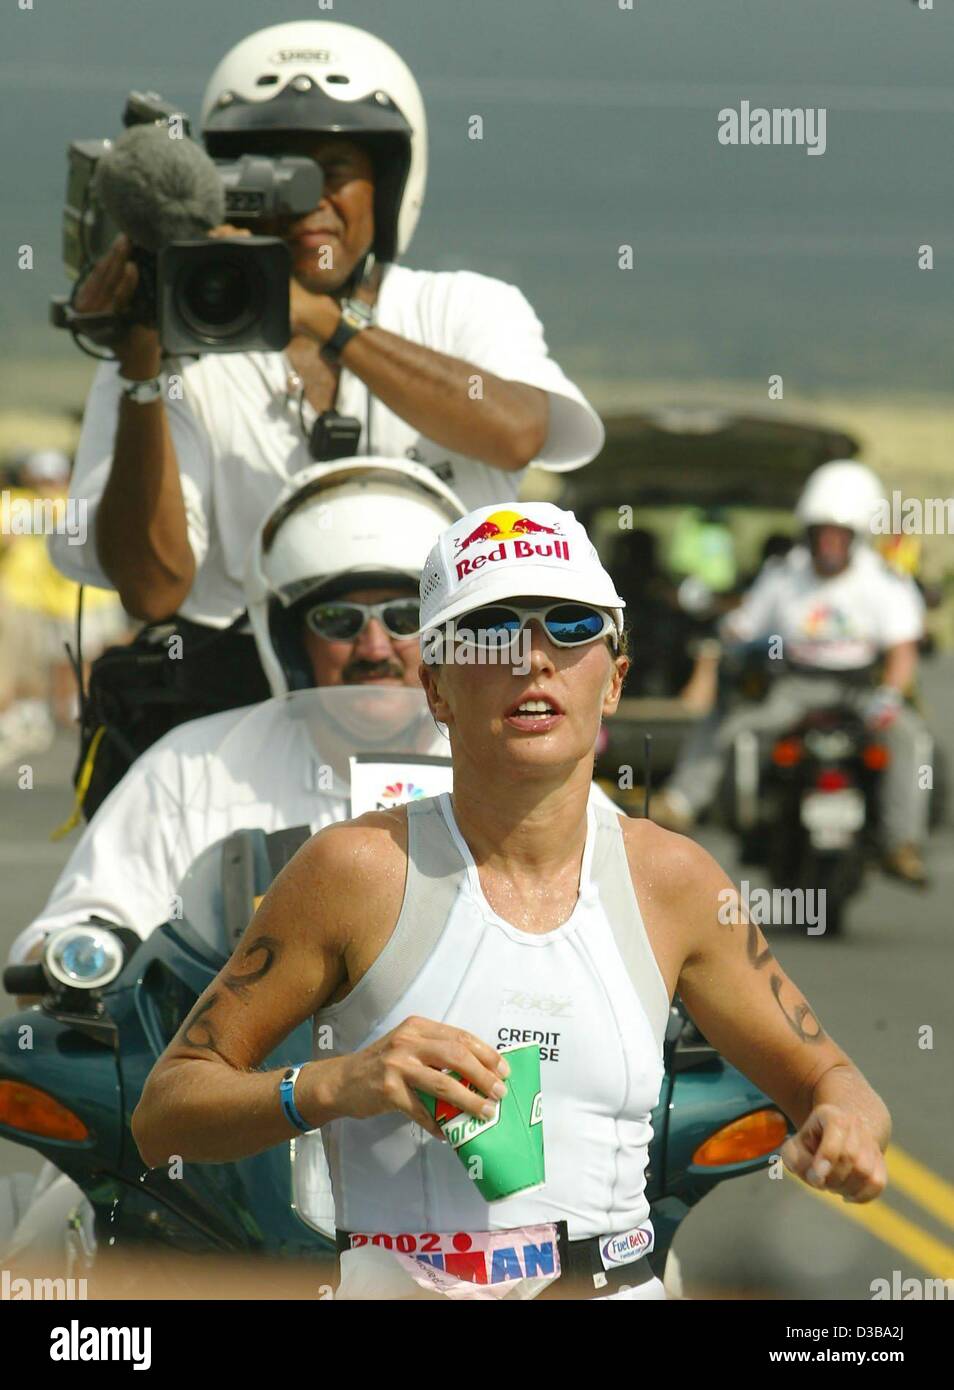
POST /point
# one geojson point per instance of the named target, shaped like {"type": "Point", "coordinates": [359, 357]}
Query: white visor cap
{"type": "Point", "coordinates": [510, 550]}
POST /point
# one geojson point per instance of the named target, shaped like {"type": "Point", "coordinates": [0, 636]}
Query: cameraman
{"type": "Point", "coordinates": [448, 368]}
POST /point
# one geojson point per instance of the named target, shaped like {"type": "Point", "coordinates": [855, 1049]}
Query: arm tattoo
{"type": "Point", "coordinates": [796, 1021]}
{"type": "Point", "coordinates": [240, 984]}
{"type": "Point", "coordinates": [756, 960]}
{"type": "Point", "coordinates": [197, 1031]}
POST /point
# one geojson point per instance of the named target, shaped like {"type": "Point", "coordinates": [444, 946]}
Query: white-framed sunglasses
{"type": "Point", "coordinates": [340, 621]}
{"type": "Point", "coordinates": [566, 624]}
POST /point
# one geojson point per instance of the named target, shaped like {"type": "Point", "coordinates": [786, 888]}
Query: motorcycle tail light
{"type": "Point", "coordinates": [875, 757]}
{"type": "Point", "coordinates": [787, 752]}
{"type": "Point", "coordinates": [32, 1111]}
{"type": "Point", "coordinates": [753, 1136]}
{"type": "Point", "coordinates": [832, 779]}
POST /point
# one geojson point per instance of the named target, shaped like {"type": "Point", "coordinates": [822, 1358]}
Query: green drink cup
{"type": "Point", "coordinates": [503, 1155]}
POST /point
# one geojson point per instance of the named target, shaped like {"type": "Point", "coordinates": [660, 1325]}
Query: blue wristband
{"type": "Point", "coordinates": [286, 1093]}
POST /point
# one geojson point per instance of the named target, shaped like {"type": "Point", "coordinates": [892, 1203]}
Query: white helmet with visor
{"type": "Point", "coordinates": [315, 76]}
{"type": "Point", "coordinates": [364, 522]}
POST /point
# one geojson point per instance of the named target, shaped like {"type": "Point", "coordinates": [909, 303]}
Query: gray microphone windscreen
{"type": "Point", "coordinates": [159, 189]}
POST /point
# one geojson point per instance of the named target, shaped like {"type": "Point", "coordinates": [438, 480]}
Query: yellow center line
{"type": "Point", "coordinates": [923, 1186]}
{"type": "Point", "coordinates": [889, 1226]}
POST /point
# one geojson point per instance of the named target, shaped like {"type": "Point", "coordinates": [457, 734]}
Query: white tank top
{"type": "Point", "coordinates": [590, 993]}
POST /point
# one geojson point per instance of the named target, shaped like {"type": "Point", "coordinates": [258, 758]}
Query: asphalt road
{"type": "Point", "coordinates": [889, 975]}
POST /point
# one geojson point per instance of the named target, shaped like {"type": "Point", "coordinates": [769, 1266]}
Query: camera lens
{"type": "Point", "coordinates": [219, 297]}
{"type": "Point", "coordinates": [218, 294]}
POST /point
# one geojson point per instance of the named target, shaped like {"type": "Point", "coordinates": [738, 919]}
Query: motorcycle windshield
{"type": "Point", "coordinates": [309, 758]}
{"type": "Point", "coordinates": [343, 721]}
{"type": "Point", "coordinates": [308, 739]}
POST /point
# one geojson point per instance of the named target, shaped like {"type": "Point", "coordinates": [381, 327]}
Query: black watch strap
{"type": "Point", "coordinates": [355, 316]}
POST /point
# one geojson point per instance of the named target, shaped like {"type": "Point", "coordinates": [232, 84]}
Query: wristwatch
{"type": "Point", "coordinates": [355, 316]}
{"type": "Point", "coordinates": [143, 392]}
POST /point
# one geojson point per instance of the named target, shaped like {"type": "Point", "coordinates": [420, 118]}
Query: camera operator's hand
{"type": "Point", "coordinates": [226, 229]}
{"type": "Point", "coordinates": [314, 316]}
{"type": "Point", "coordinates": [108, 289]}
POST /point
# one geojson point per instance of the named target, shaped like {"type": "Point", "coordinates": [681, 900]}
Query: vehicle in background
{"type": "Point", "coordinates": [671, 488]}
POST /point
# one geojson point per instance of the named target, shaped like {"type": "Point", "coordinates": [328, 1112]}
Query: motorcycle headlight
{"type": "Point", "coordinates": [83, 957]}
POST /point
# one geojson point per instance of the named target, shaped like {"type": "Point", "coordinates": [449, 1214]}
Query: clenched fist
{"type": "Point", "coordinates": [835, 1151]}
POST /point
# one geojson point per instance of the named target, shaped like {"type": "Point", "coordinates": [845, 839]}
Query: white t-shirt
{"type": "Point", "coordinates": [238, 438]}
{"type": "Point", "coordinates": [252, 768]}
{"type": "Point", "coordinates": [247, 768]}
{"type": "Point", "coordinates": [838, 624]}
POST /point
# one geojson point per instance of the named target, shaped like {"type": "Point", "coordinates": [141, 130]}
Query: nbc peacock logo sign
{"type": "Point", "coordinates": [397, 793]}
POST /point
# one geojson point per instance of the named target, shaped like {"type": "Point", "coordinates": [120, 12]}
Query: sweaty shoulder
{"type": "Point", "coordinates": [677, 885]}
{"type": "Point", "coordinates": [356, 870]}
{"type": "Point", "coordinates": [672, 866]}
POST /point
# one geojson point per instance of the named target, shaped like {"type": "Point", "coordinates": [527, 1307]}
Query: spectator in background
{"type": "Point", "coordinates": [38, 617]}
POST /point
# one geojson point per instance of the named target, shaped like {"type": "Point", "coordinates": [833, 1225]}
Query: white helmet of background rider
{"type": "Point", "coordinates": [364, 522]}
{"type": "Point", "coordinates": [841, 493]}
{"type": "Point", "coordinates": [314, 75]}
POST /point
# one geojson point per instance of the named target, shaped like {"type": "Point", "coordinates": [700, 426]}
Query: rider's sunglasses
{"type": "Point", "coordinates": [566, 624]}
{"type": "Point", "coordinates": [342, 622]}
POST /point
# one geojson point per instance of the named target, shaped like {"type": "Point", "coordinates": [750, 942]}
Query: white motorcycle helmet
{"type": "Point", "coordinates": [841, 493]}
{"type": "Point", "coordinates": [357, 523]}
{"type": "Point", "coordinates": [315, 75]}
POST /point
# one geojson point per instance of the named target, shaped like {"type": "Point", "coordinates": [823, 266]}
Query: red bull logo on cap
{"type": "Point", "coordinates": [510, 533]}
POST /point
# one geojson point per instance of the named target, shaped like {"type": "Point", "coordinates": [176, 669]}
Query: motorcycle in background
{"type": "Point", "coordinates": [806, 805]}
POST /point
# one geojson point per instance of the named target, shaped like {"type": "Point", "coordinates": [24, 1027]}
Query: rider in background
{"type": "Point", "coordinates": [835, 614]}
{"type": "Point", "coordinates": [328, 611]}
{"type": "Point", "coordinates": [351, 533]}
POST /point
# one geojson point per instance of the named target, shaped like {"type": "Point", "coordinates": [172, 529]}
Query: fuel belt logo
{"type": "Point", "coordinates": [627, 1246]}
{"type": "Point", "coordinates": [512, 537]}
